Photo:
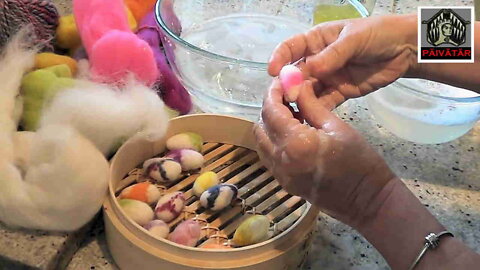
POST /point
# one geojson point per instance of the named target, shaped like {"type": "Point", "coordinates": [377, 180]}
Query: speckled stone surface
{"type": "Point", "coordinates": [27, 249]}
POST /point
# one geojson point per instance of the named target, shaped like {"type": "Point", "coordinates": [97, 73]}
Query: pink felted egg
{"type": "Point", "coordinates": [291, 78]}
{"type": "Point", "coordinates": [186, 233]}
{"type": "Point", "coordinates": [170, 206]}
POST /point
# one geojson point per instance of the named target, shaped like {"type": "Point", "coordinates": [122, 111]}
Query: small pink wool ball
{"type": "Point", "coordinates": [291, 78]}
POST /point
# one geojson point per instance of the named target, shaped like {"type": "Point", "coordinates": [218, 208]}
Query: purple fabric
{"type": "Point", "coordinates": [168, 86]}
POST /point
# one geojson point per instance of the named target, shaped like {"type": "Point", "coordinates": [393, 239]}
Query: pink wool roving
{"type": "Point", "coordinates": [291, 78]}
{"type": "Point", "coordinates": [113, 50]}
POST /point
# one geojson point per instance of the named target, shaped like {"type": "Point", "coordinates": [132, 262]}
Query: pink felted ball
{"type": "Point", "coordinates": [291, 78]}
{"type": "Point", "coordinates": [113, 50]}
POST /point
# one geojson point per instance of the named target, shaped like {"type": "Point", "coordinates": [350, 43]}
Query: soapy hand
{"type": "Point", "coordinates": [328, 163]}
{"type": "Point", "coordinates": [352, 58]}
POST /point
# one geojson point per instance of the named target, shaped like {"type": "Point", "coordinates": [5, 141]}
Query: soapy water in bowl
{"type": "Point", "coordinates": [250, 37]}
{"type": "Point", "coordinates": [421, 118]}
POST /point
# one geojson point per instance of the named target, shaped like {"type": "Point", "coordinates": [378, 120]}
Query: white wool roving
{"type": "Point", "coordinates": [15, 60]}
{"type": "Point", "coordinates": [58, 180]}
{"type": "Point", "coordinates": [107, 115]}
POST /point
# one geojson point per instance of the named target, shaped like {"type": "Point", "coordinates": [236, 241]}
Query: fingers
{"type": "Point", "coordinates": [317, 41]}
{"type": "Point", "coordinates": [314, 109]}
{"type": "Point", "coordinates": [286, 53]}
{"type": "Point", "coordinates": [264, 145]}
{"type": "Point", "coordinates": [277, 117]}
{"type": "Point", "coordinates": [332, 58]}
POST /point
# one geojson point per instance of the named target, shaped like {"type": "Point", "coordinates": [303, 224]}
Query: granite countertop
{"type": "Point", "coordinates": [445, 177]}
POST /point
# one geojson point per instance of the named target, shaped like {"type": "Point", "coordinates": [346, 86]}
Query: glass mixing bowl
{"type": "Point", "coordinates": [424, 111]}
{"type": "Point", "coordinates": [219, 49]}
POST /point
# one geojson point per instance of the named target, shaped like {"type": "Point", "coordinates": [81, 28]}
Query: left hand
{"type": "Point", "coordinates": [328, 163]}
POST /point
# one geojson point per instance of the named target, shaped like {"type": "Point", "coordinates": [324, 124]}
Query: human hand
{"type": "Point", "coordinates": [352, 58]}
{"type": "Point", "coordinates": [328, 163]}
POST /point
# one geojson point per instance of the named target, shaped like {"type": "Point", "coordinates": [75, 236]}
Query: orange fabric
{"type": "Point", "coordinates": [138, 192]}
{"type": "Point", "coordinates": [140, 8]}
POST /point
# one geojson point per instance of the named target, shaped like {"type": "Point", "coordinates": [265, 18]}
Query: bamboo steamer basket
{"type": "Point", "coordinates": [230, 151]}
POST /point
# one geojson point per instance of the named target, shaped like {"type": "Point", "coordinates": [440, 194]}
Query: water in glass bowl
{"type": "Point", "coordinates": [421, 118]}
{"type": "Point", "coordinates": [226, 87]}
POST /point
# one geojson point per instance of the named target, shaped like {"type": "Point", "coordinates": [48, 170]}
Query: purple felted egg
{"type": "Point", "coordinates": [157, 228]}
{"type": "Point", "coordinates": [170, 206]}
{"type": "Point", "coordinates": [186, 233]}
{"type": "Point", "coordinates": [162, 169]}
{"type": "Point", "coordinates": [189, 159]}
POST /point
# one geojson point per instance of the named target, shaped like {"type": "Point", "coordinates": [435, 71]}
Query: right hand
{"type": "Point", "coordinates": [351, 58]}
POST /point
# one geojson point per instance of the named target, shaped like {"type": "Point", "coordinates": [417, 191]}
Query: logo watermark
{"type": "Point", "coordinates": [445, 34]}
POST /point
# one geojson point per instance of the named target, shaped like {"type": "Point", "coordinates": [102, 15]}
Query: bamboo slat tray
{"type": "Point", "coordinates": [230, 152]}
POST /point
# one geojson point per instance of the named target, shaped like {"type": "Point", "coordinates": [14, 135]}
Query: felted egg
{"type": "Point", "coordinates": [205, 181]}
{"type": "Point", "coordinates": [189, 159]}
{"type": "Point", "coordinates": [186, 233]}
{"type": "Point", "coordinates": [145, 192]}
{"type": "Point", "coordinates": [218, 197]}
{"type": "Point", "coordinates": [157, 228]}
{"type": "Point", "coordinates": [186, 140]}
{"type": "Point", "coordinates": [162, 169]}
{"type": "Point", "coordinates": [251, 231]}
{"type": "Point", "coordinates": [170, 206]}
{"type": "Point", "coordinates": [138, 211]}
{"type": "Point", "coordinates": [214, 245]}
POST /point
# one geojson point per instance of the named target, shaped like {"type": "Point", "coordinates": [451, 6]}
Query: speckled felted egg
{"type": "Point", "coordinates": [145, 192]}
{"type": "Point", "coordinates": [186, 140]}
{"type": "Point", "coordinates": [186, 233]}
{"type": "Point", "coordinates": [138, 211]}
{"type": "Point", "coordinates": [218, 197]}
{"type": "Point", "coordinates": [189, 159]}
{"type": "Point", "coordinates": [162, 169]}
{"type": "Point", "coordinates": [205, 181]}
{"type": "Point", "coordinates": [157, 228]}
{"type": "Point", "coordinates": [253, 230]}
{"type": "Point", "coordinates": [42, 14]}
{"type": "Point", "coordinates": [170, 206]}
